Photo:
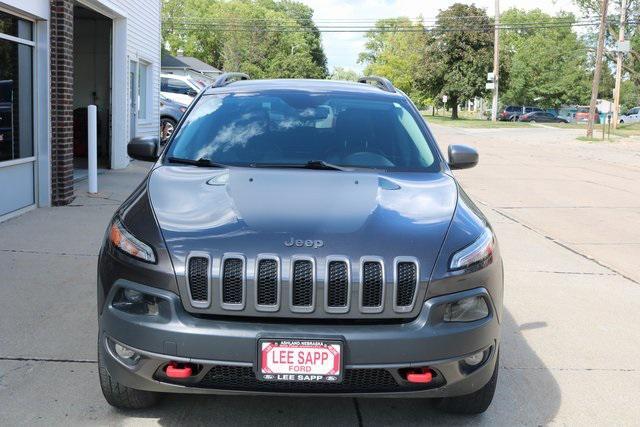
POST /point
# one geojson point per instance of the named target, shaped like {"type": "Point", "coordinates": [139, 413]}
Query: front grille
{"type": "Point", "coordinates": [354, 381]}
{"type": "Point", "coordinates": [372, 284]}
{"type": "Point", "coordinates": [302, 284]}
{"type": "Point", "coordinates": [254, 285]}
{"type": "Point", "coordinates": [267, 282]}
{"type": "Point", "coordinates": [198, 276]}
{"type": "Point", "coordinates": [406, 282]}
{"type": "Point", "coordinates": [232, 281]}
{"type": "Point", "coordinates": [337, 284]}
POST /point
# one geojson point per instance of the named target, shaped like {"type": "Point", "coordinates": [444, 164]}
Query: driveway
{"type": "Point", "coordinates": [567, 215]}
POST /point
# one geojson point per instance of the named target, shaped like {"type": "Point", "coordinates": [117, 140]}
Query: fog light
{"type": "Point", "coordinates": [133, 296]}
{"type": "Point", "coordinates": [475, 359]}
{"type": "Point", "coordinates": [124, 352]}
{"type": "Point", "coordinates": [466, 310]}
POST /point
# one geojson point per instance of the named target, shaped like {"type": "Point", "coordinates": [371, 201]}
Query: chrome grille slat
{"type": "Point", "coordinates": [337, 290]}
{"type": "Point", "coordinates": [372, 285]}
{"type": "Point", "coordinates": [406, 280]}
{"type": "Point", "coordinates": [233, 282]}
{"type": "Point", "coordinates": [267, 282]}
{"type": "Point", "coordinates": [198, 279]}
{"type": "Point", "coordinates": [302, 285]}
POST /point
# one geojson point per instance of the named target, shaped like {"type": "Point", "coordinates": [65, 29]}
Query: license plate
{"type": "Point", "coordinates": [300, 360]}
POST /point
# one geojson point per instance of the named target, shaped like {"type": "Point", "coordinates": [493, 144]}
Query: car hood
{"type": "Point", "coordinates": [252, 211]}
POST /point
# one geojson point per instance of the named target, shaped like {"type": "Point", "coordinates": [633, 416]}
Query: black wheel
{"type": "Point", "coordinates": [120, 396]}
{"type": "Point", "coordinates": [167, 126]}
{"type": "Point", "coordinates": [474, 403]}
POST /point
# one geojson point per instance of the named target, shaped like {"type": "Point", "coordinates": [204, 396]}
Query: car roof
{"type": "Point", "coordinates": [306, 85]}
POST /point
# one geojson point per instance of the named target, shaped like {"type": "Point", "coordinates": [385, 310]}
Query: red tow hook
{"type": "Point", "coordinates": [182, 370]}
{"type": "Point", "coordinates": [419, 375]}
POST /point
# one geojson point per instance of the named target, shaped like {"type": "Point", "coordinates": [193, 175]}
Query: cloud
{"type": "Point", "coordinates": [342, 49]}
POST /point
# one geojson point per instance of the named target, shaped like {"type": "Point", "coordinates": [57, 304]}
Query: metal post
{"type": "Point", "coordinates": [92, 138]}
{"type": "Point", "coordinates": [619, 59]}
{"type": "Point", "coordinates": [496, 63]}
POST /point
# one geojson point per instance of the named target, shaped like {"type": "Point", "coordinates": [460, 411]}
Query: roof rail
{"type": "Point", "coordinates": [379, 82]}
{"type": "Point", "coordinates": [227, 78]}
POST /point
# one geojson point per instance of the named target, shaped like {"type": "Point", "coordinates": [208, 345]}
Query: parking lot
{"type": "Point", "coordinates": [567, 216]}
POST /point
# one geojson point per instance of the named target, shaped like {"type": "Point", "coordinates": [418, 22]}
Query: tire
{"type": "Point", "coordinates": [120, 396]}
{"type": "Point", "coordinates": [167, 127]}
{"type": "Point", "coordinates": [474, 403]}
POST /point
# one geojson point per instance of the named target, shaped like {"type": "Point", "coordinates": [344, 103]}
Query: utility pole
{"type": "Point", "coordinates": [496, 63]}
{"type": "Point", "coordinates": [596, 74]}
{"type": "Point", "coordinates": [619, 59]}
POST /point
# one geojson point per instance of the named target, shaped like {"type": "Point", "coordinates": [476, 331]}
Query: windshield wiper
{"type": "Point", "coordinates": [311, 164]}
{"type": "Point", "coordinates": [201, 162]}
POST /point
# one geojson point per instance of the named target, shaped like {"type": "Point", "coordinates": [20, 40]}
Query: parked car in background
{"type": "Point", "coordinates": [181, 89]}
{"type": "Point", "coordinates": [631, 116]}
{"type": "Point", "coordinates": [170, 114]}
{"type": "Point", "coordinates": [541, 117]}
{"type": "Point", "coordinates": [582, 115]}
{"type": "Point", "coordinates": [513, 112]}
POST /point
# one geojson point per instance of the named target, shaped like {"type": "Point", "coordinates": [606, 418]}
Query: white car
{"type": "Point", "coordinates": [181, 89]}
{"type": "Point", "coordinates": [631, 116]}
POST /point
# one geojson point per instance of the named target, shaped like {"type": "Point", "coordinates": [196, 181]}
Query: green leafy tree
{"type": "Point", "coordinates": [395, 50]}
{"type": "Point", "coordinates": [544, 65]}
{"type": "Point", "coordinates": [340, 73]}
{"type": "Point", "coordinates": [247, 36]}
{"type": "Point", "coordinates": [458, 55]}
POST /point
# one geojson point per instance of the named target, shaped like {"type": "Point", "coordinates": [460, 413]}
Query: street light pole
{"type": "Point", "coordinates": [619, 59]}
{"type": "Point", "coordinates": [596, 74]}
{"type": "Point", "coordinates": [496, 63]}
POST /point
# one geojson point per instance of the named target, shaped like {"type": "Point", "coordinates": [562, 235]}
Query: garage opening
{"type": "Point", "coordinates": [91, 84]}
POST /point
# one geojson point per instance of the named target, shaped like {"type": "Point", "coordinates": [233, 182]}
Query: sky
{"type": "Point", "coordinates": [342, 49]}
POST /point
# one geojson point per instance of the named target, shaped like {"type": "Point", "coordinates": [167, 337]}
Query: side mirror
{"type": "Point", "coordinates": [192, 92]}
{"type": "Point", "coordinates": [144, 148]}
{"type": "Point", "coordinates": [462, 157]}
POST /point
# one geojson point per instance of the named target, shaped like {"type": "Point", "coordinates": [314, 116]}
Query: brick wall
{"type": "Point", "coordinates": [61, 102]}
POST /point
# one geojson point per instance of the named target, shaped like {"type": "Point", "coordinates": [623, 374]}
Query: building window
{"type": "Point", "coordinates": [143, 90]}
{"type": "Point", "coordinates": [16, 89]}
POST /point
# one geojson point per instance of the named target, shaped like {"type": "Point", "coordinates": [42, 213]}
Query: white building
{"type": "Point", "coordinates": [56, 58]}
{"type": "Point", "coordinates": [189, 66]}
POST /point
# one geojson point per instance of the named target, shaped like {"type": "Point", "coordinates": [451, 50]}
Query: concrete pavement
{"type": "Point", "coordinates": [566, 214]}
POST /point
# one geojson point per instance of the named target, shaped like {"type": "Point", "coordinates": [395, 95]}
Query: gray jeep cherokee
{"type": "Point", "coordinates": [300, 237]}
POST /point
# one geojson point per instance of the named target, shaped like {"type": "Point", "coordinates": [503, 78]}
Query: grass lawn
{"type": "Point", "coordinates": [471, 123]}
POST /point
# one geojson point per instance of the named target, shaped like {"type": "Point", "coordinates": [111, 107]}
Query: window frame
{"type": "Point", "coordinates": [32, 44]}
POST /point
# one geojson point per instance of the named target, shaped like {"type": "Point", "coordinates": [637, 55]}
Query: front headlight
{"type": "Point", "coordinates": [127, 243]}
{"type": "Point", "coordinates": [477, 254]}
{"type": "Point", "coordinates": [466, 310]}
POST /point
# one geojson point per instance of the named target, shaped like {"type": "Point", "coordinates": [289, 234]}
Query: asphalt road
{"type": "Point", "coordinates": [567, 215]}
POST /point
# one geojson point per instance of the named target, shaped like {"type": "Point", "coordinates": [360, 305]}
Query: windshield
{"type": "Point", "coordinates": [294, 128]}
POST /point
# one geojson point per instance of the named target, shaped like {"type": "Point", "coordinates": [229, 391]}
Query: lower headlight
{"type": "Point", "coordinates": [466, 310]}
{"type": "Point", "coordinates": [136, 302]}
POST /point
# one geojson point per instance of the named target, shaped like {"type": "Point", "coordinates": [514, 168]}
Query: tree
{"type": "Point", "coordinates": [340, 73]}
{"type": "Point", "coordinates": [458, 55]}
{"type": "Point", "coordinates": [247, 36]}
{"type": "Point", "coordinates": [544, 65]}
{"type": "Point", "coordinates": [395, 50]}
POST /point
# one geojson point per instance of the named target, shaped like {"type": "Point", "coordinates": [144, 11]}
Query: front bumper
{"type": "Point", "coordinates": [231, 345]}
